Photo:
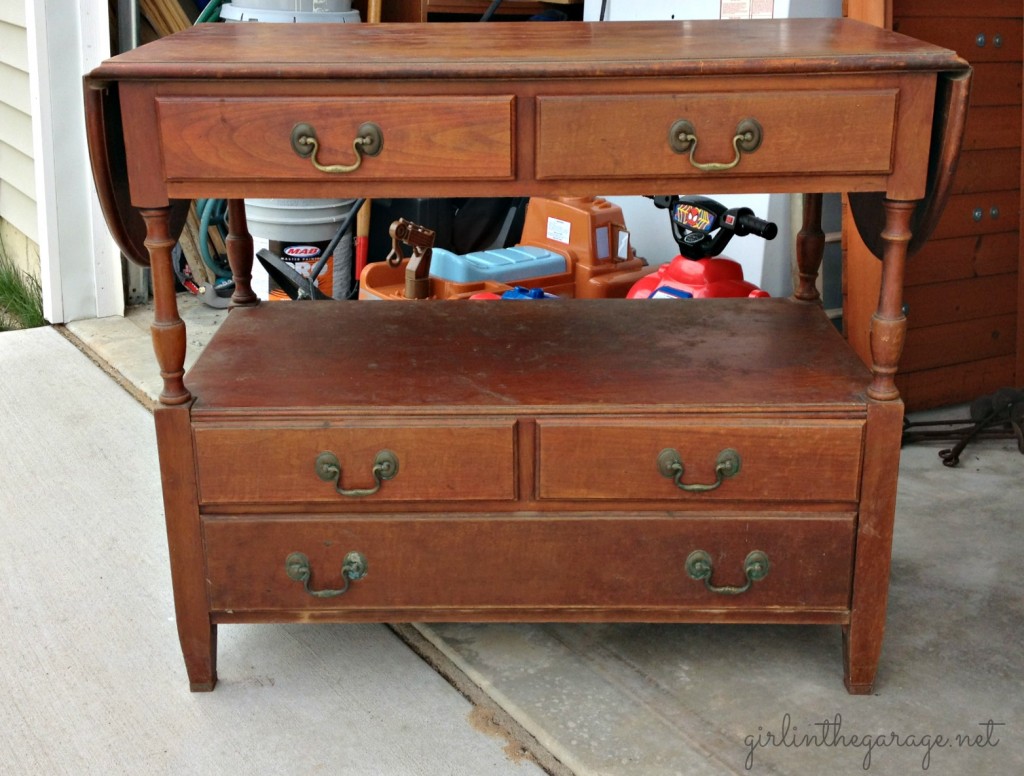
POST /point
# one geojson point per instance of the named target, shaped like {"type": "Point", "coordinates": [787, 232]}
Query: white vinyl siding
{"type": "Point", "coordinates": [17, 175]}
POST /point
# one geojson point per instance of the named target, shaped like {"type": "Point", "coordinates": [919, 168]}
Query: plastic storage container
{"type": "Point", "coordinates": [289, 11]}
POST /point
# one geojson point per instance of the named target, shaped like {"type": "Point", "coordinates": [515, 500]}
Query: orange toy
{"type": "Point", "coordinates": [570, 247]}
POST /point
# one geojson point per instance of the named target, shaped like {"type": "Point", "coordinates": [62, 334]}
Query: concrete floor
{"type": "Point", "coordinates": [694, 699]}
{"type": "Point", "coordinates": [91, 676]}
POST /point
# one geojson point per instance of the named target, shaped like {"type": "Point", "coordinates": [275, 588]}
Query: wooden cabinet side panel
{"type": "Point", "coordinates": [978, 40]}
{"type": "Point", "coordinates": [144, 154]}
{"type": "Point", "coordinates": [974, 214]}
{"type": "Point", "coordinates": [197, 634]}
{"type": "Point", "coordinates": [947, 385]}
{"type": "Point", "coordinates": [930, 8]}
{"type": "Point", "coordinates": [1019, 367]}
{"type": "Point", "coordinates": [862, 638]}
{"type": "Point", "coordinates": [935, 304]}
{"type": "Point", "coordinates": [963, 258]}
{"type": "Point", "coordinates": [876, 12]}
{"type": "Point", "coordinates": [962, 337]}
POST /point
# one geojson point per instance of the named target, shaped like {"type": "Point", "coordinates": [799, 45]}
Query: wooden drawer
{"type": "Point", "coordinates": [980, 39]}
{"type": "Point", "coordinates": [992, 126]}
{"type": "Point", "coordinates": [446, 565]}
{"type": "Point", "coordinates": [962, 258]}
{"type": "Point", "coordinates": [960, 342]}
{"type": "Point", "coordinates": [975, 8]}
{"type": "Point", "coordinates": [997, 169]}
{"type": "Point", "coordinates": [967, 299]}
{"type": "Point", "coordinates": [985, 212]}
{"type": "Point", "coordinates": [996, 83]}
{"type": "Point", "coordinates": [452, 138]}
{"type": "Point", "coordinates": [779, 461]}
{"type": "Point", "coordinates": [276, 465]}
{"type": "Point", "coordinates": [627, 136]}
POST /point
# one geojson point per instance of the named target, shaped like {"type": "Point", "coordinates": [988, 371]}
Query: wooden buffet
{"type": "Point", "coordinates": [582, 460]}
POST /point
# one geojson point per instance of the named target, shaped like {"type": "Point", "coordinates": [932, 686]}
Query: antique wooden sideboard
{"type": "Point", "coordinates": [579, 460]}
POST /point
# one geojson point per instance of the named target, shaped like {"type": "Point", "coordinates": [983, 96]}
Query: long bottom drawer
{"type": "Point", "coordinates": [406, 563]}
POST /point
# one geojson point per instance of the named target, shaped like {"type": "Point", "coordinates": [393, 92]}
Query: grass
{"type": "Point", "coordinates": [21, 298]}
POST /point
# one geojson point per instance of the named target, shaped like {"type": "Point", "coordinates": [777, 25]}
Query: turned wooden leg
{"type": "Point", "coordinates": [239, 247]}
{"type": "Point", "coordinates": [862, 637]}
{"type": "Point", "coordinates": [888, 324]}
{"type": "Point", "coordinates": [810, 249]}
{"type": "Point", "coordinates": [168, 329]}
{"type": "Point", "coordinates": [197, 634]}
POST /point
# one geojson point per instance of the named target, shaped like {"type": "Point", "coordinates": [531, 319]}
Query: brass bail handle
{"type": "Point", "coordinates": [385, 467]}
{"type": "Point", "coordinates": [755, 568]}
{"type": "Point", "coordinates": [671, 465]}
{"type": "Point", "coordinates": [353, 567]}
{"type": "Point", "coordinates": [682, 138]}
{"type": "Point", "coordinates": [369, 142]}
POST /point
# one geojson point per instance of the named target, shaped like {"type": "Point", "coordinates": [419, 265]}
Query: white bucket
{"type": "Point", "coordinates": [300, 220]}
{"type": "Point", "coordinates": [296, 220]}
{"type": "Point", "coordinates": [298, 11]}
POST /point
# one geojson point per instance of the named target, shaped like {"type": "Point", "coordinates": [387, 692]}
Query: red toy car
{"type": "Point", "coordinates": [684, 278]}
{"type": "Point", "coordinates": [702, 228]}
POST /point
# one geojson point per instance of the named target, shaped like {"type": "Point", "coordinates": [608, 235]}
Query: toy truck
{"type": "Point", "coordinates": [570, 247]}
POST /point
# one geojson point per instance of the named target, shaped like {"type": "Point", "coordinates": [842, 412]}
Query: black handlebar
{"type": "Point", "coordinates": [751, 224]}
{"type": "Point", "coordinates": [702, 227]}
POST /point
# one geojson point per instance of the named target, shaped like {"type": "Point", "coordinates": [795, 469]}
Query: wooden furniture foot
{"type": "Point", "coordinates": [859, 679]}
{"type": "Point", "coordinates": [200, 651]}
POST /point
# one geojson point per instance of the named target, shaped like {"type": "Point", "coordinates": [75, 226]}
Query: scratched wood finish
{"type": "Point", "coordinates": [601, 355]}
{"type": "Point", "coordinates": [561, 51]}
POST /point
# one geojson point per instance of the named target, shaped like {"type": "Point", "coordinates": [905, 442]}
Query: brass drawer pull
{"type": "Point", "coordinates": [755, 568]}
{"type": "Point", "coordinates": [385, 467]}
{"type": "Point", "coordinates": [682, 137]}
{"type": "Point", "coordinates": [353, 567]}
{"type": "Point", "coordinates": [369, 141]}
{"type": "Point", "coordinates": [670, 464]}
